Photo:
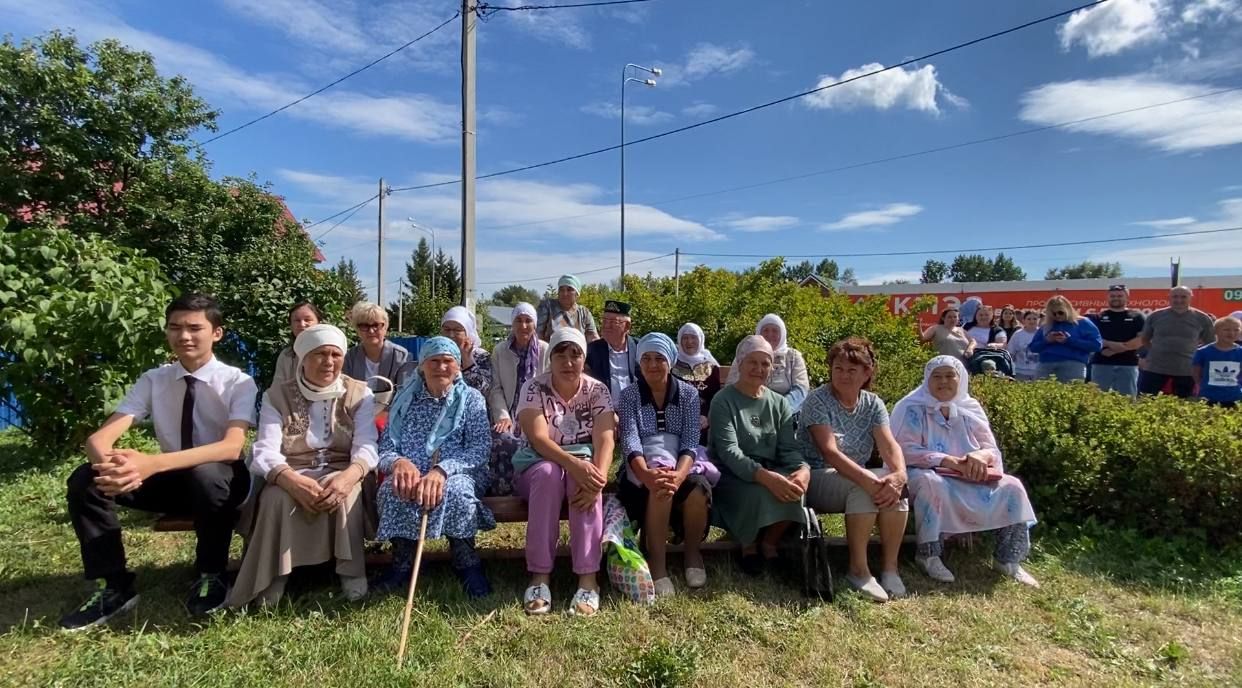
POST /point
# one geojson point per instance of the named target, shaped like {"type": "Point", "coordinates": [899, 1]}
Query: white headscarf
{"type": "Point", "coordinates": [774, 319]}
{"type": "Point", "coordinates": [749, 345]}
{"type": "Point", "coordinates": [523, 308]}
{"type": "Point", "coordinates": [921, 399]}
{"type": "Point", "coordinates": [702, 355]}
{"type": "Point", "coordinates": [568, 334]}
{"type": "Point", "coordinates": [465, 318]}
{"type": "Point", "coordinates": [312, 338]}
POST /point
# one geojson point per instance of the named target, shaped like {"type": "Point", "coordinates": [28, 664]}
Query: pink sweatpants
{"type": "Point", "coordinates": [544, 486]}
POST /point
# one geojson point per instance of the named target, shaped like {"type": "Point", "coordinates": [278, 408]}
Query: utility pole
{"type": "Point", "coordinates": [468, 23]}
{"type": "Point", "coordinates": [400, 306]}
{"type": "Point", "coordinates": [379, 270]}
{"type": "Point", "coordinates": [677, 271]}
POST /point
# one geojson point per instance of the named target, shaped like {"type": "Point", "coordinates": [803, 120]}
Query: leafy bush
{"type": "Point", "coordinates": [1160, 465]}
{"type": "Point", "coordinates": [78, 328]}
{"type": "Point", "coordinates": [727, 305]}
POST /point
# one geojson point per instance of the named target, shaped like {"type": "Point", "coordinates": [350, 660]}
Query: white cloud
{"type": "Point", "coordinates": [1171, 222]}
{"type": "Point", "coordinates": [1202, 251]}
{"type": "Point", "coordinates": [1212, 11]}
{"type": "Point", "coordinates": [634, 114]}
{"type": "Point", "coordinates": [1114, 26]}
{"type": "Point", "coordinates": [700, 110]}
{"type": "Point", "coordinates": [704, 60]}
{"type": "Point", "coordinates": [760, 223]}
{"type": "Point", "coordinates": [888, 215]}
{"type": "Point", "coordinates": [1192, 125]}
{"type": "Point", "coordinates": [563, 28]}
{"type": "Point", "coordinates": [411, 116]}
{"type": "Point", "coordinates": [307, 21]}
{"type": "Point", "coordinates": [915, 89]}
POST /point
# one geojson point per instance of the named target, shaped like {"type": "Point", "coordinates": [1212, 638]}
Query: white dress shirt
{"type": "Point", "coordinates": [223, 394]}
{"type": "Point", "coordinates": [267, 444]}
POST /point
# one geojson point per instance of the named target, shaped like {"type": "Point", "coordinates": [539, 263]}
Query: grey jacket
{"type": "Point", "coordinates": [395, 363]}
{"type": "Point", "coordinates": [504, 380]}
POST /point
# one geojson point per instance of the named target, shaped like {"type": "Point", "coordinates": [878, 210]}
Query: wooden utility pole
{"type": "Point", "coordinates": [379, 270]}
{"type": "Point", "coordinates": [469, 21]}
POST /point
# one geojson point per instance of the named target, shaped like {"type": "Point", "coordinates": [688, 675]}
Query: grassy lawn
{"type": "Point", "coordinates": [1114, 610]}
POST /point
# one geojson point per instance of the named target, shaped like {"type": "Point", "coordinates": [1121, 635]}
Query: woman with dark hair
{"type": "Point", "coordinates": [841, 424]}
{"type": "Point", "coordinates": [1008, 320]}
{"type": "Point", "coordinates": [302, 315]}
{"type": "Point", "coordinates": [948, 338]}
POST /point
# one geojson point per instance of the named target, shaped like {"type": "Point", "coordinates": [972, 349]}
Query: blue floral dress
{"type": "Point", "coordinates": [463, 458]}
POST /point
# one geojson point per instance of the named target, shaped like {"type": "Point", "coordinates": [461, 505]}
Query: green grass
{"type": "Point", "coordinates": [1115, 610]}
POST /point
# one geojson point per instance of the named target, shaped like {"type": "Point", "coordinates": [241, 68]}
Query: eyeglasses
{"type": "Point", "coordinates": [370, 327]}
{"type": "Point", "coordinates": [1117, 287]}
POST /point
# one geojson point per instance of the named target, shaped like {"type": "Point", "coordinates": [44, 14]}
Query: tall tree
{"type": "Point", "coordinates": [798, 271]}
{"type": "Point", "coordinates": [848, 277]}
{"type": "Point", "coordinates": [448, 277]}
{"type": "Point", "coordinates": [828, 269]}
{"type": "Point", "coordinates": [513, 294]}
{"type": "Point", "coordinates": [346, 272]}
{"type": "Point", "coordinates": [1085, 270]}
{"type": "Point", "coordinates": [977, 268]}
{"type": "Point", "coordinates": [934, 272]}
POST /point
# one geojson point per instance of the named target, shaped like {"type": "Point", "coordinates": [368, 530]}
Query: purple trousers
{"type": "Point", "coordinates": [544, 486]}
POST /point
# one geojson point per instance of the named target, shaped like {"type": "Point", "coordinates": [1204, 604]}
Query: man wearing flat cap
{"type": "Point", "coordinates": [565, 311]}
{"type": "Point", "coordinates": [613, 360]}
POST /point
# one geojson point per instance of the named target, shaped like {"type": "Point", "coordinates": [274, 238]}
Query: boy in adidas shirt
{"type": "Point", "coordinates": [1218, 366]}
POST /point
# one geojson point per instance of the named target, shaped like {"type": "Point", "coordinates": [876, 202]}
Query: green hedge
{"type": "Point", "coordinates": [1163, 466]}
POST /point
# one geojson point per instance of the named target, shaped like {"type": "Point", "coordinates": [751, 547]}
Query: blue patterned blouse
{"type": "Point", "coordinates": [638, 418]}
{"type": "Point", "coordinates": [465, 450]}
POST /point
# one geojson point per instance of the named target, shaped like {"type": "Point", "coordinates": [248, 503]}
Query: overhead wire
{"type": "Point", "coordinates": [762, 106]}
{"type": "Point", "coordinates": [321, 89]}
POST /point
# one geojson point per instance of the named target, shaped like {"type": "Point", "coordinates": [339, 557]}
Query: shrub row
{"type": "Point", "coordinates": [1161, 465]}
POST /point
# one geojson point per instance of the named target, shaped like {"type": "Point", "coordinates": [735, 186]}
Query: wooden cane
{"type": "Point", "coordinates": [418, 561]}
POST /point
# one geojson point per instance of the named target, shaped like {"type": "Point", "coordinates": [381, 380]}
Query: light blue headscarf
{"type": "Point", "coordinates": [571, 282]}
{"type": "Point", "coordinates": [451, 416]}
{"type": "Point", "coordinates": [659, 343]}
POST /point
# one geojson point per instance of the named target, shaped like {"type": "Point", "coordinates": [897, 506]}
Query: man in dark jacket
{"type": "Point", "coordinates": [613, 359]}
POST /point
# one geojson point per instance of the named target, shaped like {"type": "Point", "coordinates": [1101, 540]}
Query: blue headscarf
{"type": "Point", "coordinates": [659, 343]}
{"type": "Point", "coordinates": [454, 410]}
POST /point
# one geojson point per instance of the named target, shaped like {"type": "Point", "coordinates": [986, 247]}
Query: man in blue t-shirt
{"type": "Point", "coordinates": [1218, 366]}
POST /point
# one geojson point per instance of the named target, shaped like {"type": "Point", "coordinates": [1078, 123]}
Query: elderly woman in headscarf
{"type": "Point", "coordinates": [315, 444]}
{"type": "Point", "coordinates": [520, 358]}
{"type": "Point", "coordinates": [957, 477]}
{"type": "Point", "coordinates": [565, 311]}
{"type": "Point", "coordinates": [568, 424]}
{"type": "Point", "coordinates": [696, 365]}
{"type": "Point", "coordinates": [789, 376]}
{"type": "Point", "coordinates": [434, 452]}
{"type": "Point", "coordinates": [762, 474]}
{"type": "Point", "coordinates": [666, 475]}
{"type": "Point", "coordinates": [458, 324]}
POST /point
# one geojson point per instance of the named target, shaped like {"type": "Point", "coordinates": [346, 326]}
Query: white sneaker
{"type": "Point", "coordinates": [869, 588]}
{"type": "Point", "coordinates": [935, 569]}
{"type": "Point", "coordinates": [664, 587]}
{"type": "Point", "coordinates": [1016, 572]}
{"type": "Point", "coordinates": [696, 578]}
{"type": "Point", "coordinates": [892, 584]}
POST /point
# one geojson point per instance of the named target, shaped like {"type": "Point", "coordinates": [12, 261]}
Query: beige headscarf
{"type": "Point", "coordinates": [312, 338]}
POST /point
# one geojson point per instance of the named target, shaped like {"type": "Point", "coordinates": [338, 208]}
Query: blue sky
{"type": "Point", "coordinates": [548, 87]}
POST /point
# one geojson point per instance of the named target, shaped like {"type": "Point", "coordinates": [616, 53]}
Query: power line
{"type": "Point", "coordinates": [484, 8]}
{"type": "Point", "coordinates": [345, 219]}
{"type": "Point", "coordinates": [771, 103]}
{"type": "Point", "coordinates": [316, 92]}
{"type": "Point", "coordinates": [339, 213]}
{"type": "Point", "coordinates": [578, 272]}
{"type": "Point", "coordinates": [981, 249]}
{"type": "Point", "coordinates": [878, 161]}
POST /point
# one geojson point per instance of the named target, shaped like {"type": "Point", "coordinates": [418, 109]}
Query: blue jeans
{"type": "Point", "coordinates": [1122, 379]}
{"type": "Point", "coordinates": [1063, 371]}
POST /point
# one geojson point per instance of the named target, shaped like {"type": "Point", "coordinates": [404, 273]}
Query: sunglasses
{"type": "Point", "coordinates": [370, 327]}
{"type": "Point", "coordinates": [1117, 287]}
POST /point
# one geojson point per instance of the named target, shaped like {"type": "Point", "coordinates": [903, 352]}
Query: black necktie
{"type": "Point", "coordinates": [187, 414]}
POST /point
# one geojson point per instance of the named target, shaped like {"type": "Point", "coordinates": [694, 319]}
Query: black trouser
{"type": "Point", "coordinates": [1153, 383]}
{"type": "Point", "coordinates": [210, 493]}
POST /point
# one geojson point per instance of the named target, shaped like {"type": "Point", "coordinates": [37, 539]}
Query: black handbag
{"type": "Point", "coordinates": [816, 571]}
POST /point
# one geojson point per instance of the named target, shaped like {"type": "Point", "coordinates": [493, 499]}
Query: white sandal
{"type": "Point", "coordinates": [585, 603]}
{"type": "Point", "coordinates": [538, 600]}
{"type": "Point", "coordinates": [696, 578]}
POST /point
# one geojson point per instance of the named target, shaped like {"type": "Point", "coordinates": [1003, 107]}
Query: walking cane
{"type": "Point", "coordinates": [418, 560]}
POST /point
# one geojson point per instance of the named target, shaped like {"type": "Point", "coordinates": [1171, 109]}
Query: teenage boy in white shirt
{"type": "Point", "coordinates": [201, 409]}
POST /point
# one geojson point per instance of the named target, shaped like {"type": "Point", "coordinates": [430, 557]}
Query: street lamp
{"type": "Point", "coordinates": [625, 79]}
{"type": "Point", "coordinates": [432, 232]}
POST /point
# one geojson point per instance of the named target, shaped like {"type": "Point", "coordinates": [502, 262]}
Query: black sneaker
{"type": "Point", "coordinates": [104, 604]}
{"type": "Point", "coordinates": [207, 595]}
